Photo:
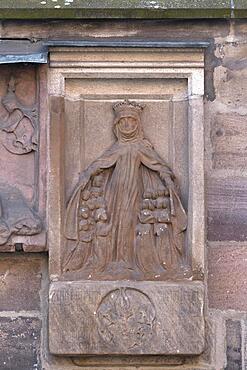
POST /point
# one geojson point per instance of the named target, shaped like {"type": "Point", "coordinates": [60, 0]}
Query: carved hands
{"type": "Point", "coordinates": [168, 179]}
{"type": "Point", "coordinates": [92, 170]}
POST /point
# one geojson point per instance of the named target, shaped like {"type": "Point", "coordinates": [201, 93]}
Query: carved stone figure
{"type": "Point", "coordinates": [16, 217]}
{"type": "Point", "coordinates": [19, 135]}
{"type": "Point", "coordinates": [19, 129]}
{"type": "Point", "coordinates": [125, 219]}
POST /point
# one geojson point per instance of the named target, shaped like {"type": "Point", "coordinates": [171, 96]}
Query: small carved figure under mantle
{"type": "Point", "coordinates": [125, 219]}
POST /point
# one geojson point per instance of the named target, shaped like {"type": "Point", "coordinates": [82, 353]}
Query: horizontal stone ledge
{"type": "Point", "coordinates": [23, 51]}
{"type": "Point", "coordinates": [139, 9]}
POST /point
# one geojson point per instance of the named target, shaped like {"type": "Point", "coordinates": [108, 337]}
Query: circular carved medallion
{"type": "Point", "coordinates": [126, 318]}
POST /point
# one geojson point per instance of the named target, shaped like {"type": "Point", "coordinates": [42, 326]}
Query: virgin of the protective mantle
{"type": "Point", "coordinates": [125, 218]}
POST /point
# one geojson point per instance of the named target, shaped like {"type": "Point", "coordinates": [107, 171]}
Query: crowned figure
{"type": "Point", "coordinates": [125, 219]}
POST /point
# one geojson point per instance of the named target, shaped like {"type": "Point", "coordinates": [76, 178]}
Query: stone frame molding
{"type": "Point", "coordinates": [133, 63]}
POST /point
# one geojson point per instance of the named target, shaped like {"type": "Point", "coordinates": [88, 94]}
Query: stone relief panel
{"type": "Point", "coordinates": [126, 203]}
{"type": "Point", "coordinates": [19, 138]}
{"type": "Point", "coordinates": [125, 220]}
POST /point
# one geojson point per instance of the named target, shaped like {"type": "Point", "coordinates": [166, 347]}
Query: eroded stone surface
{"type": "Point", "coordinates": [234, 343]}
{"type": "Point", "coordinates": [19, 343]}
{"type": "Point", "coordinates": [227, 280]}
{"type": "Point", "coordinates": [20, 282]}
{"type": "Point", "coordinates": [228, 136]}
{"type": "Point", "coordinates": [226, 202]}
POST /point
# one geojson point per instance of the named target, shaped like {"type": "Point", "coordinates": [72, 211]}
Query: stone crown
{"type": "Point", "coordinates": [127, 106]}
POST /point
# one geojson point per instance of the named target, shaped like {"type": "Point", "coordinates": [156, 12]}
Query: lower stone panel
{"type": "Point", "coordinates": [126, 318]}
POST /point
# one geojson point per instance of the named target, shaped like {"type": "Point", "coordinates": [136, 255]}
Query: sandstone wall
{"type": "Point", "coordinates": [24, 274]}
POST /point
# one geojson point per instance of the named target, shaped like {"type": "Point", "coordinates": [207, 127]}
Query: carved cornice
{"type": "Point", "coordinates": [163, 56]}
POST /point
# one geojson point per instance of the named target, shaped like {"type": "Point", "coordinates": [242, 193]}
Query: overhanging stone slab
{"type": "Point", "coordinates": [81, 9]}
{"type": "Point", "coordinates": [92, 317]}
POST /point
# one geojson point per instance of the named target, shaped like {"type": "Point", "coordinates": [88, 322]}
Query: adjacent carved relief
{"type": "Point", "coordinates": [19, 128]}
{"type": "Point", "coordinates": [16, 217]}
{"type": "Point", "coordinates": [126, 316]}
{"type": "Point", "coordinates": [19, 135]}
{"type": "Point", "coordinates": [125, 218]}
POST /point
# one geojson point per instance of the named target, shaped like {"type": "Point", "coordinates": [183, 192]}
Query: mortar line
{"type": "Point", "coordinates": [22, 313]}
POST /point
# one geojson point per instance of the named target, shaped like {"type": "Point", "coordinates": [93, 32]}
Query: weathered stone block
{"type": "Point", "coordinates": [230, 78]}
{"type": "Point", "coordinates": [19, 343]}
{"type": "Point", "coordinates": [126, 318]}
{"type": "Point", "coordinates": [227, 280]}
{"type": "Point", "coordinates": [20, 280]}
{"type": "Point", "coordinates": [227, 209]}
{"type": "Point", "coordinates": [228, 136]}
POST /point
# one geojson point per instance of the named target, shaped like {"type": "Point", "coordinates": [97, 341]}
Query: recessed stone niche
{"type": "Point", "coordinates": [126, 201]}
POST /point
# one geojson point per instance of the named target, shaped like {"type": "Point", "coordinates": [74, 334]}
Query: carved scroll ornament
{"type": "Point", "coordinates": [125, 219]}
{"type": "Point", "coordinates": [19, 129]}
